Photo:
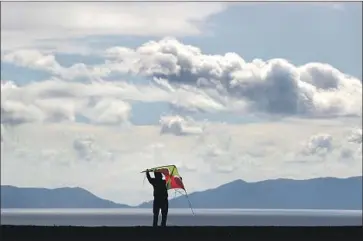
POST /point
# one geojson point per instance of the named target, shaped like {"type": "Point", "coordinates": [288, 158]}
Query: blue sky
{"type": "Point", "coordinates": [296, 70]}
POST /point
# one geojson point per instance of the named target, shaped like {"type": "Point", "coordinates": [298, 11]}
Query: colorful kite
{"type": "Point", "coordinates": [172, 178]}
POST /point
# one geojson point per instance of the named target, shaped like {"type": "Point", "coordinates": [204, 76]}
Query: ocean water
{"type": "Point", "coordinates": [181, 217]}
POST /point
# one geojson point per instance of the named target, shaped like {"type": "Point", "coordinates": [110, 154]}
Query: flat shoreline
{"type": "Point", "coordinates": [180, 217]}
{"type": "Point", "coordinates": [13, 232]}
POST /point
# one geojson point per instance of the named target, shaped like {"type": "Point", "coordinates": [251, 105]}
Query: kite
{"type": "Point", "coordinates": [173, 179]}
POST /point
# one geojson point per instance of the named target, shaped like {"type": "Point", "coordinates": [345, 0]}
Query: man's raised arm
{"type": "Point", "coordinates": [149, 177]}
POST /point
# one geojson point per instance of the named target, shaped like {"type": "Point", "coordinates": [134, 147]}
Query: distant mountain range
{"type": "Point", "coordinates": [19, 197]}
{"type": "Point", "coordinates": [318, 193]}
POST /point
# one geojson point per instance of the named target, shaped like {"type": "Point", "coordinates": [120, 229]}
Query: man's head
{"type": "Point", "coordinates": [158, 175]}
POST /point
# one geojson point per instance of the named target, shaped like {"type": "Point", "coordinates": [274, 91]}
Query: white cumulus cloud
{"type": "Point", "coordinates": [356, 136]}
{"type": "Point", "coordinates": [319, 144]}
{"type": "Point", "coordinates": [209, 83]}
{"type": "Point", "coordinates": [274, 86]}
{"type": "Point", "coordinates": [178, 125]}
{"type": "Point", "coordinates": [56, 101]}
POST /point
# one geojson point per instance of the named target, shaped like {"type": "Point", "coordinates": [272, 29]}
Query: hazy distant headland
{"type": "Point", "coordinates": [19, 197]}
{"type": "Point", "coordinates": [317, 193]}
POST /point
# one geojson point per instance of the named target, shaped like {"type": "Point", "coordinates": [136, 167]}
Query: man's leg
{"type": "Point", "coordinates": [156, 209]}
{"type": "Point", "coordinates": [164, 212]}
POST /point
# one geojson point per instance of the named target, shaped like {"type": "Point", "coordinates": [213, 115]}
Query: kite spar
{"type": "Point", "coordinates": [173, 179]}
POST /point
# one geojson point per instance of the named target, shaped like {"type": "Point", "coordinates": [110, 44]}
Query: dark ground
{"type": "Point", "coordinates": [65, 233]}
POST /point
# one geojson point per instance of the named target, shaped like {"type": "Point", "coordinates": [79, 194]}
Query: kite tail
{"type": "Point", "coordinates": [143, 182]}
{"type": "Point", "coordinates": [190, 204]}
{"type": "Point", "coordinates": [186, 195]}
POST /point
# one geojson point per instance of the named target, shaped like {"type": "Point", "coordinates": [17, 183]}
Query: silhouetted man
{"type": "Point", "coordinates": [160, 198]}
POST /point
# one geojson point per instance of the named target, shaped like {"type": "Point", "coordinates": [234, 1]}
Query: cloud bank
{"type": "Point", "coordinates": [192, 81]}
{"type": "Point", "coordinates": [274, 86]}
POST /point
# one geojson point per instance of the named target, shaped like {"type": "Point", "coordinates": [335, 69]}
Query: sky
{"type": "Point", "coordinates": [93, 93]}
